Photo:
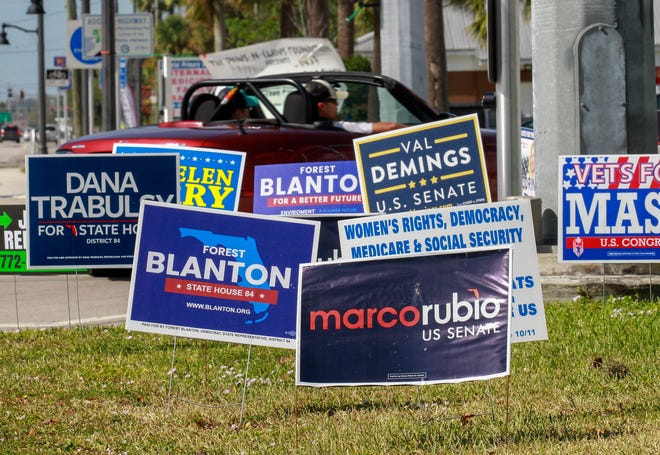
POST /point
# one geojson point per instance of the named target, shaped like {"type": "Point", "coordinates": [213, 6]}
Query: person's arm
{"type": "Point", "coordinates": [381, 127]}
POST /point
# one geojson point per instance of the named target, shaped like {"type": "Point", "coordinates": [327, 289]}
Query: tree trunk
{"type": "Point", "coordinates": [436, 57]}
{"type": "Point", "coordinates": [287, 21]}
{"type": "Point", "coordinates": [317, 18]}
{"type": "Point", "coordinates": [376, 66]}
{"type": "Point", "coordinates": [219, 28]}
{"type": "Point", "coordinates": [345, 30]}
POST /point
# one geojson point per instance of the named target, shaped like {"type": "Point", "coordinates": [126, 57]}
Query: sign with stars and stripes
{"type": "Point", "coordinates": [609, 208]}
{"type": "Point", "coordinates": [208, 177]}
{"type": "Point", "coordinates": [439, 164]}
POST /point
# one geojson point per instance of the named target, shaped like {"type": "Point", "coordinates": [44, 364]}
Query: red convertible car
{"type": "Point", "coordinates": [281, 126]}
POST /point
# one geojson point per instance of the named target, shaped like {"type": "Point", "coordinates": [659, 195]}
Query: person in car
{"type": "Point", "coordinates": [325, 98]}
{"type": "Point", "coordinates": [238, 104]}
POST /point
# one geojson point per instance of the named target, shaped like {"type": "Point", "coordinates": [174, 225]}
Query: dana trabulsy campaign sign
{"type": "Point", "coordinates": [82, 210]}
{"type": "Point", "coordinates": [408, 320]}
{"type": "Point", "coordinates": [307, 189]}
{"type": "Point", "coordinates": [455, 229]}
{"type": "Point", "coordinates": [208, 177]}
{"type": "Point", "coordinates": [609, 208]}
{"type": "Point", "coordinates": [218, 275]}
{"type": "Point", "coordinates": [438, 164]}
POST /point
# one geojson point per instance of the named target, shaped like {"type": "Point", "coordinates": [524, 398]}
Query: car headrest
{"type": "Point", "coordinates": [203, 106]}
{"type": "Point", "coordinates": [295, 108]}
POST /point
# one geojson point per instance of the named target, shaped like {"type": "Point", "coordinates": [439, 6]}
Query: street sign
{"type": "Point", "coordinates": [133, 35]}
{"type": "Point", "coordinates": [58, 77]}
{"type": "Point", "coordinates": [74, 51]}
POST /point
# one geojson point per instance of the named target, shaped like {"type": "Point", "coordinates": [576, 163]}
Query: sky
{"type": "Point", "coordinates": [19, 61]}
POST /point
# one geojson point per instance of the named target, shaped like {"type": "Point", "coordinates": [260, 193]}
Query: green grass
{"type": "Point", "coordinates": [592, 388]}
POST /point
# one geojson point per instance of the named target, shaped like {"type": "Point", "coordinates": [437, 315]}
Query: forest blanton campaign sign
{"type": "Point", "coordinates": [218, 275]}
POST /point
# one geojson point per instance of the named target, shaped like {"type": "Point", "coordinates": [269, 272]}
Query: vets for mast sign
{"type": "Point", "coordinates": [454, 229]}
{"type": "Point", "coordinates": [413, 320]}
{"type": "Point", "coordinates": [217, 275]}
{"type": "Point", "coordinates": [439, 164]}
{"type": "Point", "coordinates": [83, 210]}
{"type": "Point", "coordinates": [609, 208]}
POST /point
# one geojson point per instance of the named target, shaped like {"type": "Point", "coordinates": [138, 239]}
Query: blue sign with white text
{"type": "Point", "coordinates": [217, 275]}
{"type": "Point", "coordinates": [82, 210]}
{"type": "Point", "coordinates": [307, 189]}
{"type": "Point", "coordinates": [439, 164]}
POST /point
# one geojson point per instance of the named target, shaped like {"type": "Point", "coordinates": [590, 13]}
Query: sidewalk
{"type": "Point", "coordinates": [12, 183]}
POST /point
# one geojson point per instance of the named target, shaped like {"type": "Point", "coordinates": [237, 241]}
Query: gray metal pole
{"type": "Point", "coordinates": [509, 180]}
{"type": "Point", "coordinates": [85, 93]}
{"type": "Point", "coordinates": [109, 66]}
{"type": "Point", "coordinates": [43, 148]}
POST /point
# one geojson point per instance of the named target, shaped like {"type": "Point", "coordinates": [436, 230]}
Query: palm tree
{"type": "Point", "coordinates": [436, 56]}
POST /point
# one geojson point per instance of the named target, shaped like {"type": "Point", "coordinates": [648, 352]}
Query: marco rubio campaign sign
{"type": "Point", "coordinates": [208, 177]}
{"type": "Point", "coordinates": [437, 164]}
{"type": "Point", "coordinates": [414, 320]}
{"type": "Point", "coordinates": [303, 189]}
{"type": "Point", "coordinates": [216, 275]}
{"type": "Point", "coordinates": [455, 229]}
{"type": "Point", "coordinates": [609, 208]}
{"type": "Point", "coordinates": [83, 210]}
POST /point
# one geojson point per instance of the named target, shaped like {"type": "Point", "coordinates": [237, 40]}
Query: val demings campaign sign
{"type": "Point", "coordinates": [83, 210]}
{"type": "Point", "coordinates": [209, 177]}
{"type": "Point", "coordinates": [414, 320]}
{"type": "Point", "coordinates": [609, 209]}
{"type": "Point", "coordinates": [217, 275]}
{"type": "Point", "coordinates": [439, 164]}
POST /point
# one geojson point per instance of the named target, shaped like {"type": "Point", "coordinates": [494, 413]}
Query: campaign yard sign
{"type": "Point", "coordinates": [12, 239]}
{"type": "Point", "coordinates": [218, 275]}
{"type": "Point", "coordinates": [307, 189]}
{"type": "Point", "coordinates": [455, 229]}
{"type": "Point", "coordinates": [82, 210]}
{"type": "Point", "coordinates": [438, 164]}
{"type": "Point", "coordinates": [408, 320]}
{"type": "Point", "coordinates": [208, 177]}
{"type": "Point", "coordinates": [609, 208]}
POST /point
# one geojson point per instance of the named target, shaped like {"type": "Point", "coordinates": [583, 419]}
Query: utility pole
{"type": "Point", "coordinates": [109, 66]}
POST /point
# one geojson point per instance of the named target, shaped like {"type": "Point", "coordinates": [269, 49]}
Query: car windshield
{"type": "Point", "coordinates": [366, 102]}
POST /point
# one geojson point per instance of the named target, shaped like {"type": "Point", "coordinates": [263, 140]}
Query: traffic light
{"type": "Point", "coordinates": [22, 94]}
{"type": "Point", "coordinates": [9, 93]}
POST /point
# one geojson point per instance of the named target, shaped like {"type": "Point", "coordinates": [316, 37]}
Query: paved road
{"type": "Point", "coordinates": [48, 300]}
